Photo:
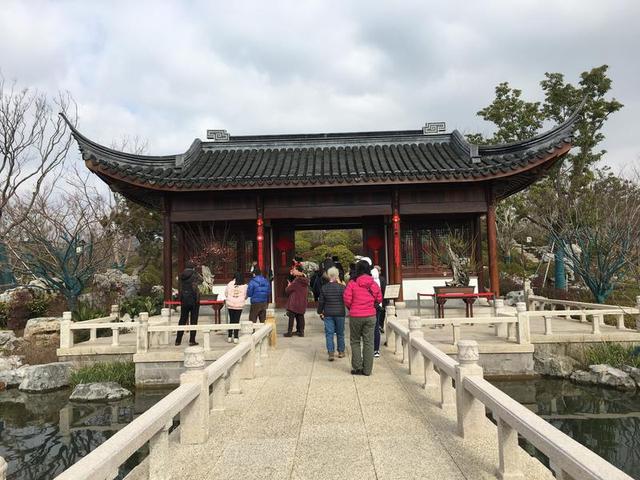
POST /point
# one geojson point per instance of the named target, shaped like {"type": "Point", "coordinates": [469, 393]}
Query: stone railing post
{"type": "Point", "coordinates": [66, 334]}
{"type": "Point", "coordinates": [159, 454]}
{"type": "Point", "coordinates": [638, 316]}
{"type": "Point", "coordinates": [115, 312]}
{"type": "Point", "coordinates": [93, 334]}
{"type": "Point", "coordinates": [218, 394]}
{"type": "Point", "coordinates": [143, 333]}
{"type": "Point", "coordinates": [524, 330]}
{"type": "Point", "coordinates": [596, 320]}
{"type": "Point", "coordinates": [194, 418]}
{"type": "Point", "coordinates": [3, 469]}
{"type": "Point", "coordinates": [235, 387]}
{"type": "Point", "coordinates": [527, 290]}
{"type": "Point", "coordinates": [249, 360]}
{"type": "Point", "coordinates": [620, 321]}
{"type": "Point", "coordinates": [470, 411]}
{"type": "Point", "coordinates": [405, 349]}
{"type": "Point", "coordinates": [501, 328]}
{"type": "Point", "coordinates": [447, 392]}
{"type": "Point", "coordinates": [508, 457]}
{"type": "Point", "coordinates": [416, 363]}
{"type": "Point", "coordinates": [115, 337]}
{"type": "Point", "coordinates": [388, 332]}
{"type": "Point", "coordinates": [548, 329]}
{"type": "Point", "coordinates": [165, 316]}
{"type": "Point", "coordinates": [271, 320]}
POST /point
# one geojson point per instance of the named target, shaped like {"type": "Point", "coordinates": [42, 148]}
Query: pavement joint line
{"type": "Point", "coordinates": [398, 373]}
{"type": "Point", "coordinates": [304, 412]}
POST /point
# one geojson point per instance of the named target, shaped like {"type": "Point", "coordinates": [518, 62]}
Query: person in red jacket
{"type": "Point", "coordinates": [297, 292]}
{"type": "Point", "coordinates": [360, 297]}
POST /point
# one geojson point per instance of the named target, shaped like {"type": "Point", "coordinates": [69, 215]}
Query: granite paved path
{"type": "Point", "coordinates": [303, 417]}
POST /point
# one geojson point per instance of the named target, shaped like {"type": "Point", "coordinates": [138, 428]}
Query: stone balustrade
{"type": "Point", "coordinates": [3, 469]}
{"type": "Point", "coordinates": [583, 315]}
{"type": "Point", "coordinates": [192, 400]}
{"type": "Point", "coordinates": [68, 327]}
{"type": "Point", "coordinates": [471, 394]}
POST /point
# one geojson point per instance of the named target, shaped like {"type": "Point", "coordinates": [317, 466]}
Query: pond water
{"type": "Point", "coordinates": [43, 434]}
{"type": "Point", "coordinates": [604, 420]}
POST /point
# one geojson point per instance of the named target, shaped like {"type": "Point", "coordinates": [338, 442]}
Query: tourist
{"type": "Point", "coordinates": [235, 295]}
{"type": "Point", "coordinates": [331, 311]}
{"type": "Point", "coordinates": [360, 297]}
{"type": "Point", "coordinates": [385, 301]}
{"type": "Point", "coordinates": [352, 273]}
{"type": "Point", "coordinates": [375, 274]}
{"type": "Point", "coordinates": [190, 279]}
{"type": "Point", "coordinates": [327, 263]}
{"type": "Point", "coordinates": [259, 290]}
{"type": "Point", "coordinates": [297, 292]}
{"type": "Point", "coordinates": [338, 265]}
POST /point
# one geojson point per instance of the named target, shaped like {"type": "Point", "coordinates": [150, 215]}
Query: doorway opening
{"type": "Point", "coordinates": [313, 245]}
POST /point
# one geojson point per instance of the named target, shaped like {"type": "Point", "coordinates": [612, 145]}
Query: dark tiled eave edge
{"type": "Point", "coordinates": [321, 160]}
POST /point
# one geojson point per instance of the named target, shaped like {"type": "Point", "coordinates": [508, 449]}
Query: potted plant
{"type": "Point", "coordinates": [206, 287]}
{"type": "Point", "coordinates": [453, 251]}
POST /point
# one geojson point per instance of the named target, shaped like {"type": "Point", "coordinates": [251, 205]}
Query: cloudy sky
{"type": "Point", "coordinates": [166, 71]}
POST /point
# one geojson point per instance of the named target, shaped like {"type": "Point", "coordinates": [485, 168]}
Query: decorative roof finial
{"type": "Point", "coordinates": [433, 128]}
{"type": "Point", "coordinates": [218, 135]}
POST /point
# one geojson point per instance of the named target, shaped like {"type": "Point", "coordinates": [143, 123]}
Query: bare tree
{"type": "Point", "coordinates": [64, 240]}
{"type": "Point", "coordinates": [34, 141]}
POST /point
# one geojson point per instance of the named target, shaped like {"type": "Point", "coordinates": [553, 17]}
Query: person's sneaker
{"type": "Point", "coordinates": [376, 354]}
{"type": "Point", "coordinates": [235, 340]}
{"type": "Point", "coordinates": [340, 354]}
{"type": "Point", "coordinates": [193, 344]}
{"type": "Point", "coordinates": [331, 356]}
{"type": "Point", "coordinates": [301, 334]}
{"type": "Point", "coordinates": [229, 339]}
{"type": "Point", "coordinates": [288, 334]}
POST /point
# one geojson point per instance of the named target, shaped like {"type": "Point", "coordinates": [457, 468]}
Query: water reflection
{"type": "Point", "coordinates": [43, 434]}
{"type": "Point", "coordinates": [606, 421]}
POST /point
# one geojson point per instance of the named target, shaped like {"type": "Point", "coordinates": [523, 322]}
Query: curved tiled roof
{"type": "Point", "coordinates": [271, 161]}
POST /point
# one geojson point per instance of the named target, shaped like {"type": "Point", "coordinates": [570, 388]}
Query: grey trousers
{"type": "Point", "coordinates": [361, 331]}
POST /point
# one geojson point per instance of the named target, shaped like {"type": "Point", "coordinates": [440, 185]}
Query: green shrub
{"type": "Point", "coordinates": [38, 307]}
{"type": "Point", "coordinates": [123, 373]}
{"type": "Point", "coordinates": [614, 354]}
{"type": "Point", "coordinates": [134, 305]}
{"type": "Point", "coordinates": [4, 314]}
{"type": "Point", "coordinates": [86, 311]}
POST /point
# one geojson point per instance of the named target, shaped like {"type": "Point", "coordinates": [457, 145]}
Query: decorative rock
{"type": "Point", "coordinates": [97, 392]}
{"type": "Point", "coordinates": [42, 326]}
{"type": "Point", "coordinates": [41, 378]}
{"type": "Point", "coordinates": [514, 297]}
{"type": "Point", "coordinates": [10, 363]}
{"type": "Point", "coordinates": [605, 375]}
{"type": "Point", "coordinates": [633, 373]}
{"type": "Point", "coordinates": [554, 365]}
{"type": "Point", "coordinates": [13, 378]}
{"type": "Point", "coordinates": [8, 340]}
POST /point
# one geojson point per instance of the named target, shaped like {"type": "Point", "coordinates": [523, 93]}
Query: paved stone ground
{"type": "Point", "coordinates": [303, 417]}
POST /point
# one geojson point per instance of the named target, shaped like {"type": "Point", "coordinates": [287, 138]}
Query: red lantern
{"type": "Point", "coordinates": [375, 243]}
{"type": "Point", "coordinates": [284, 245]}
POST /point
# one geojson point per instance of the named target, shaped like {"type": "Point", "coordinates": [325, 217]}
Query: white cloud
{"type": "Point", "coordinates": [167, 71]}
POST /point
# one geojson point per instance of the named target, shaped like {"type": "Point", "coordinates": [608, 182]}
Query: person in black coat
{"type": "Point", "coordinates": [190, 279]}
{"type": "Point", "coordinates": [331, 310]}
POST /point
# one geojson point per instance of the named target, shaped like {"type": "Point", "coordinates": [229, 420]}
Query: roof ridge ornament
{"type": "Point", "coordinates": [434, 128]}
{"type": "Point", "coordinates": [218, 135]}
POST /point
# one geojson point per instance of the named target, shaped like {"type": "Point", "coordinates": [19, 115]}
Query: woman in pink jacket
{"type": "Point", "coordinates": [360, 297]}
{"type": "Point", "coordinates": [236, 295]}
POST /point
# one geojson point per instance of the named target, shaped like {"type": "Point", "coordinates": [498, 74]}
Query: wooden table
{"type": "Point", "coordinates": [216, 305]}
{"type": "Point", "coordinates": [468, 298]}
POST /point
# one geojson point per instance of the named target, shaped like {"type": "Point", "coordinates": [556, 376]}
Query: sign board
{"type": "Point", "coordinates": [392, 292]}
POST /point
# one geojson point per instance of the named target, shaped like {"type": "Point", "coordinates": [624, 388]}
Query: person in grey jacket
{"type": "Point", "coordinates": [331, 311]}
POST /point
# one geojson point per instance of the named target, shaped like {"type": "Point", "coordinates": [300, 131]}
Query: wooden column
{"type": "Point", "coordinates": [260, 234]}
{"type": "Point", "coordinates": [166, 249]}
{"type": "Point", "coordinates": [478, 253]}
{"type": "Point", "coordinates": [397, 251]}
{"type": "Point", "coordinates": [492, 243]}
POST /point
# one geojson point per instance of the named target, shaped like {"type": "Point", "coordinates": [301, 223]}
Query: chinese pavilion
{"type": "Point", "coordinates": [402, 188]}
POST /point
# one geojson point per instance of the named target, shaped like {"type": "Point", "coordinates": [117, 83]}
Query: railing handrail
{"type": "Point", "coordinates": [469, 320]}
{"type": "Point", "coordinates": [98, 326]}
{"type": "Point", "coordinates": [568, 313]}
{"type": "Point", "coordinates": [198, 328]}
{"type": "Point", "coordinates": [440, 359]}
{"type": "Point", "coordinates": [593, 306]}
{"type": "Point", "coordinates": [574, 458]}
{"type": "Point", "coordinates": [127, 441]}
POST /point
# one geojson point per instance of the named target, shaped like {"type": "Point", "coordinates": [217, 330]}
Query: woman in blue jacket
{"type": "Point", "coordinates": [259, 291]}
